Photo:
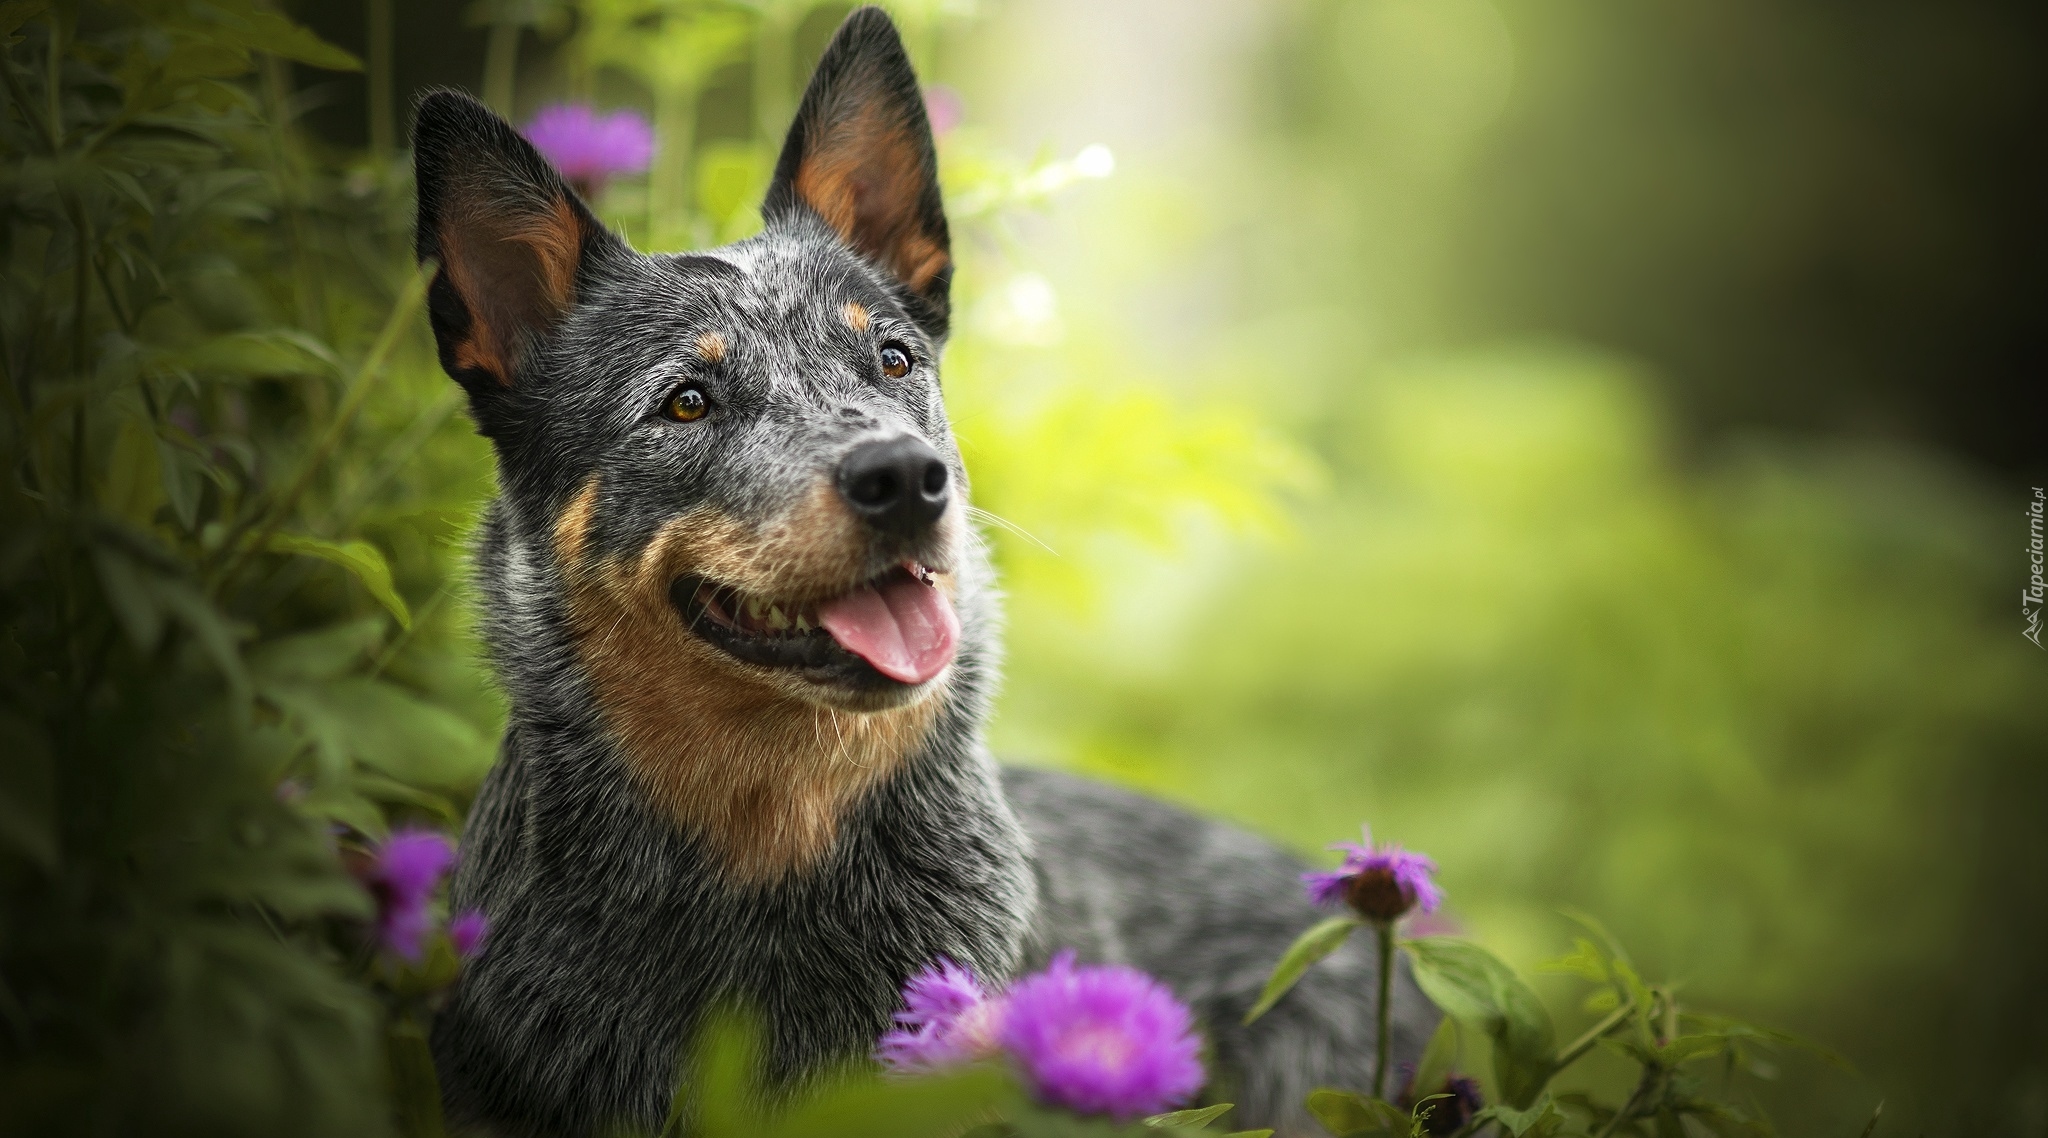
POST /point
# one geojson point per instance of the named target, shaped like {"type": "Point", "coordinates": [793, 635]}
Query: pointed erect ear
{"type": "Point", "coordinates": [513, 241]}
{"type": "Point", "coordinates": [860, 156]}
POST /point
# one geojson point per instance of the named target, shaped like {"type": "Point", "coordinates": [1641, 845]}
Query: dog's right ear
{"type": "Point", "coordinates": [513, 241]}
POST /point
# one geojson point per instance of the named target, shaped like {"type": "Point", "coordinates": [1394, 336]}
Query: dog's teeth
{"type": "Point", "coordinates": [803, 621]}
{"type": "Point", "coordinates": [753, 609]}
{"type": "Point", "coordinates": [777, 620]}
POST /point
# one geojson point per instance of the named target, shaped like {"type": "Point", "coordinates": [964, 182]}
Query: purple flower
{"type": "Point", "coordinates": [588, 147]}
{"type": "Point", "coordinates": [948, 1019]}
{"type": "Point", "coordinates": [467, 931]}
{"type": "Point", "coordinates": [943, 107]}
{"type": "Point", "coordinates": [402, 875]}
{"type": "Point", "coordinates": [1447, 1115]}
{"type": "Point", "coordinates": [1102, 1039]}
{"type": "Point", "coordinates": [1381, 884]}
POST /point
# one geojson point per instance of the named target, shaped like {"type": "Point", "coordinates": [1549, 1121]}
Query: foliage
{"type": "Point", "coordinates": [1645, 1024]}
{"type": "Point", "coordinates": [231, 486]}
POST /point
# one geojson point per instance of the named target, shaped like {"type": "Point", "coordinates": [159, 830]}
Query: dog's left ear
{"type": "Point", "coordinates": [860, 156]}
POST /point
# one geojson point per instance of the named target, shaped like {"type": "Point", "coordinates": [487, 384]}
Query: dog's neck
{"type": "Point", "coordinates": [760, 780]}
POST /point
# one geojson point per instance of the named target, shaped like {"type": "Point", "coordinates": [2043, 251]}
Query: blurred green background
{"type": "Point", "coordinates": [1587, 442]}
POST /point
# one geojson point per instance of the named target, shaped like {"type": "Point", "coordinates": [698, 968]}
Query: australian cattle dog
{"type": "Point", "coordinates": [749, 638]}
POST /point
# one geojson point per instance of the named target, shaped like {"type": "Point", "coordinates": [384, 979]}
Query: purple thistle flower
{"type": "Point", "coordinates": [1101, 1039]}
{"type": "Point", "coordinates": [588, 147]}
{"type": "Point", "coordinates": [948, 1019]}
{"type": "Point", "coordinates": [467, 931]}
{"type": "Point", "coordinates": [402, 875]}
{"type": "Point", "coordinates": [1381, 884]}
{"type": "Point", "coordinates": [1447, 1115]}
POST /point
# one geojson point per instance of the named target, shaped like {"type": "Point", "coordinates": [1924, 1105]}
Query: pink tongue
{"type": "Point", "coordinates": [905, 628]}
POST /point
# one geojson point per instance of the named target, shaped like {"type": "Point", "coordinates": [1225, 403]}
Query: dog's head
{"type": "Point", "coordinates": [754, 436]}
{"type": "Point", "coordinates": [740, 459]}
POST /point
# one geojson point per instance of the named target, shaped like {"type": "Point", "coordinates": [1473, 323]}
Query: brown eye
{"type": "Point", "coordinates": [895, 361]}
{"type": "Point", "coordinates": [685, 405]}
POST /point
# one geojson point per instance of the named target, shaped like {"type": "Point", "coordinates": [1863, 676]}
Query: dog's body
{"type": "Point", "coordinates": [749, 642]}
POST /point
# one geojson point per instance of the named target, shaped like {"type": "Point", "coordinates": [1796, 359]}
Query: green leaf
{"type": "Point", "coordinates": [723, 1099]}
{"type": "Point", "coordinates": [358, 557]}
{"type": "Point", "coordinates": [1689, 1047]}
{"type": "Point", "coordinates": [129, 593]}
{"type": "Point", "coordinates": [1542, 1117]}
{"type": "Point", "coordinates": [1311, 946]}
{"type": "Point", "coordinates": [268, 31]}
{"type": "Point", "coordinates": [323, 654]}
{"type": "Point", "coordinates": [1439, 1057]}
{"type": "Point", "coordinates": [134, 484]}
{"type": "Point", "coordinates": [415, 1087]}
{"type": "Point", "coordinates": [1477, 987]}
{"type": "Point", "coordinates": [28, 792]}
{"type": "Point", "coordinates": [387, 729]}
{"type": "Point", "coordinates": [216, 635]}
{"type": "Point", "coordinates": [15, 13]}
{"type": "Point", "coordinates": [1347, 1113]}
{"type": "Point", "coordinates": [1192, 1119]}
{"type": "Point", "coordinates": [1585, 961]}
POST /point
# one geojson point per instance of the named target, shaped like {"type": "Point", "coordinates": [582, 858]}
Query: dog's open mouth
{"type": "Point", "coordinates": [899, 624]}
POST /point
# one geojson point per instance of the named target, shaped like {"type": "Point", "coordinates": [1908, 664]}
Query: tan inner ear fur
{"type": "Point", "coordinates": [863, 177]}
{"type": "Point", "coordinates": [514, 273]}
{"type": "Point", "coordinates": [733, 753]}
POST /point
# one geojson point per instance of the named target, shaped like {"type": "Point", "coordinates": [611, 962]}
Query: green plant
{"type": "Point", "coordinates": [226, 516]}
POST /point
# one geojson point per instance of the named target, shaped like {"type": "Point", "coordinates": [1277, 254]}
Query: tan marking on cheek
{"type": "Point", "coordinates": [733, 753]}
{"type": "Point", "coordinates": [573, 527]}
{"type": "Point", "coordinates": [855, 315]}
{"type": "Point", "coordinates": [711, 347]}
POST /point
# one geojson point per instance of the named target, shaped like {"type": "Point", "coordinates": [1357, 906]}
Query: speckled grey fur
{"type": "Point", "coordinates": [613, 930]}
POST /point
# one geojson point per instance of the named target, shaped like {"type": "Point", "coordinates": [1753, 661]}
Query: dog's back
{"type": "Point", "coordinates": [749, 639]}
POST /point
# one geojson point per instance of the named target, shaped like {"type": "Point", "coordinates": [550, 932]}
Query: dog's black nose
{"type": "Point", "coordinates": [898, 485]}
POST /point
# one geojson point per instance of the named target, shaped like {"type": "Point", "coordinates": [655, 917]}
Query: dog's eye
{"type": "Point", "coordinates": [686, 404]}
{"type": "Point", "coordinates": [895, 360]}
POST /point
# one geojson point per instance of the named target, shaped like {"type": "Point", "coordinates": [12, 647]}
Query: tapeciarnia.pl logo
{"type": "Point", "coordinates": [2031, 596]}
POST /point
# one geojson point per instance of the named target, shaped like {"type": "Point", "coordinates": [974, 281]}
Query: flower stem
{"type": "Point", "coordinates": [1385, 931]}
{"type": "Point", "coordinates": [1584, 1043]}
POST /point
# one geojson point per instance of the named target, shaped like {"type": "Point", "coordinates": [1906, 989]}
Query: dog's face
{"type": "Point", "coordinates": [731, 472]}
{"type": "Point", "coordinates": [751, 441]}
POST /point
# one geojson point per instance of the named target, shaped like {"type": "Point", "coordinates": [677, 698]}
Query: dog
{"type": "Point", "coordinates": [749, 639]}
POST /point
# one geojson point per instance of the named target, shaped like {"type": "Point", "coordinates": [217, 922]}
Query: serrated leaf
{"type": "Point", "coordinates": [361, 558]}
{"type": "Point", "coordinates": [1476, 986]}
{"type": "Point", "coordinates": [1319, 941]}
{"type": "Point", "coordinates": [1192, 1119]}
{"type": "Point", "coordinates": [1348, 1113]}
